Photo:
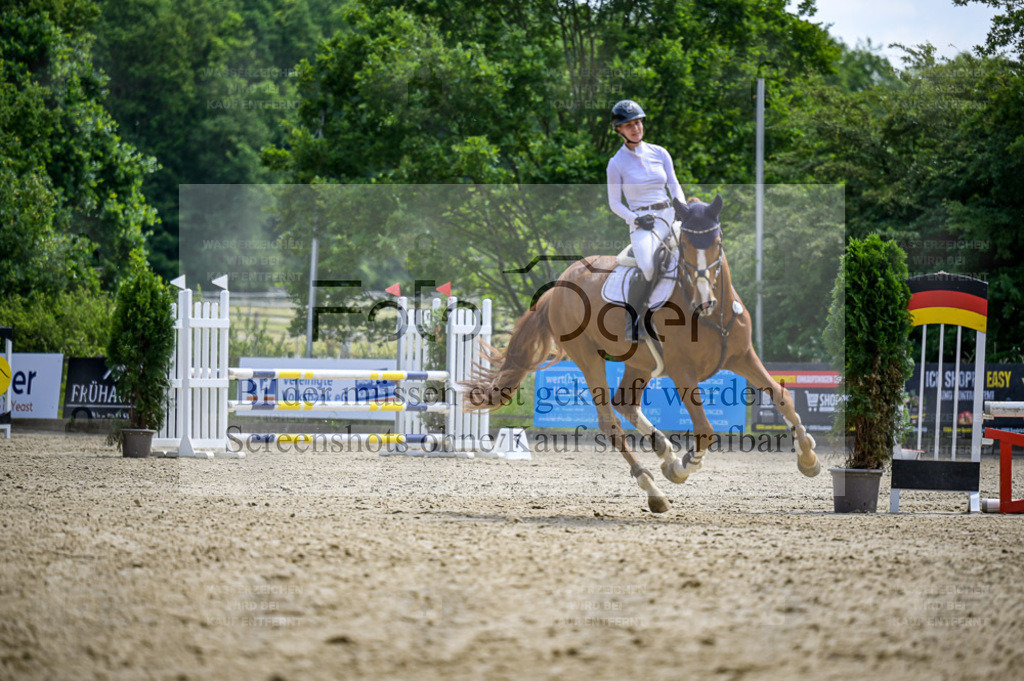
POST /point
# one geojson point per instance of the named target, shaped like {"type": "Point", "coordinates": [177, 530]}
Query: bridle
{"type": "Point", "coordinates": [701, 272]}
{"type": "Point", "coordinates": [712, 274]}
{"type": "Point", "coordinates": [692, 273]}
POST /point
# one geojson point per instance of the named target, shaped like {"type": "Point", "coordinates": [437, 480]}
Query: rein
{"type": "Point", "coordinates": [720, 327]}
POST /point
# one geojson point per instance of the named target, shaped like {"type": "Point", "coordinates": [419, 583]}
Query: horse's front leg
{"type": "Point", "coordinates": [627, 401]}
{"type": "Point", "coordinates": [678, 469]}
{"type": "Point", "coordinates": [751, 368]}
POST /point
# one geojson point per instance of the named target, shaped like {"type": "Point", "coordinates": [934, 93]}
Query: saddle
{"type": "Point", "coordinates": [616, 286]}
{"type": "Point", "coordinates": [616, 290]}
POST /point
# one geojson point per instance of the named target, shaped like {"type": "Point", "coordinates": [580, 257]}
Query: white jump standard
{"type": "Point", "coordinates": [198, 406]}
{"type": "Point", "coordinates": [957, 300]}
{"type": "Point", "coordinates": [1006, 440]}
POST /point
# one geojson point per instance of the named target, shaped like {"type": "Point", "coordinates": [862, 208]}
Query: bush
{"type": "Point", "coordinates": [250, 337]}
{"type": "Point", "coordinates": [142, 343]}
{"type": "Point", "coordinates": [74, 323]}
{"type": "Point", "coordinates": [868, 333]}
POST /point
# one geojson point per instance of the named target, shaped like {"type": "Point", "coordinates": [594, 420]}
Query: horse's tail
{"type": "Point", "coordinates": [495, 386]}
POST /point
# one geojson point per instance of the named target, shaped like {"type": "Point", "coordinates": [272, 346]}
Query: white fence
{"type": "Point", "coordinates": [198, 401]}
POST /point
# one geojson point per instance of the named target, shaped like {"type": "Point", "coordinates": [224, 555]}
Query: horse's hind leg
{"type": "Point", "coordinates": [750, 367]}
{"type": "Point", "coordinates": [592, 366]}
{"type": "Point", "coordinates": [627, 401]}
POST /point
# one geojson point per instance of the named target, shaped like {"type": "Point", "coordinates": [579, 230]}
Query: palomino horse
{"type": "Point", "coordinates": [718, 337]}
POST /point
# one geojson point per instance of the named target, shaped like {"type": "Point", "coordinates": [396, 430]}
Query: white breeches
{"type": "Point", "coordinates": [646, 241]}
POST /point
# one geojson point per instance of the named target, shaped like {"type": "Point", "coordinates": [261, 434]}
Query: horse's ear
{"type": "Point", "coordinates": [681, 208]}
{"type": "Point", "coordinates": [716, 206]}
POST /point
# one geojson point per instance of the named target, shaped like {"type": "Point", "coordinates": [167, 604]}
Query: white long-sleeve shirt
{"type": "Point", "coordinates": [642, 176]}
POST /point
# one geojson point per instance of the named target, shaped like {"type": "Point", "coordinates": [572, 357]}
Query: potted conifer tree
{"type": "Point", "coordinates": [868, 335]}
{"type": "Point", "coordinates": [139, 353]}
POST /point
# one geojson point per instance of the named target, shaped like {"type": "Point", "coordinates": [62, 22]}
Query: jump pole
{"type": "Point", "coordinates": [198, 404]}
{"type": "Point", "coordinates": [1007, 441]}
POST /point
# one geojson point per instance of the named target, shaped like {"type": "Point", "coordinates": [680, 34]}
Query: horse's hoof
{"type": "Point", "coordinates": [658, 504]}
{"type": "Point", "coordinates": [656, 501]}
{"type": "Point", "coordinates": [673, 471]}
{"type": "Point", "coordinates": [809, 471]}
{"type": "Point", "coordinates": [678, 470]}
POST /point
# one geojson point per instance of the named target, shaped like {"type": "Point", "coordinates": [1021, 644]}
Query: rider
{"type": "Point", "coordinates": [641, 186]}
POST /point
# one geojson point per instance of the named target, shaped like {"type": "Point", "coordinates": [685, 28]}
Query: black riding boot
{"type": "Point", "coordinates": [639, 289]}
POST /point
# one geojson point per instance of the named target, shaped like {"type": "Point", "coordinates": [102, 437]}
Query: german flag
{"type": "Point", "coordinates": [949, 299]}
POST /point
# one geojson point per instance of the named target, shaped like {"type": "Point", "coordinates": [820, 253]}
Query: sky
{"type": "Point", "coordinates": [950, 28]}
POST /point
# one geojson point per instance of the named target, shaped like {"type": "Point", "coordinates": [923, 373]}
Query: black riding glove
{"type": "Point", "coordinates": [645, 221]}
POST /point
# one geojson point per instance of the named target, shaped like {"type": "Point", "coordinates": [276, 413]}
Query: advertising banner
{"type": "Point", "coordinates": [90, 393]}
{"type": "Point", "coordinates": [35, 385]}
{"type": "Point", "coordinates": [814, 391]}
{"type": "Point", "coordinates": [1003, 383]}
{"type": "Point", "coordinates": [562, 400]}
{"type": "Point", "coordinates": [269, 390]}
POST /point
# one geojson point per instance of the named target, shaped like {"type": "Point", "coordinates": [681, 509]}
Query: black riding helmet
{"type": "Point", "coordinates": [625, 111]}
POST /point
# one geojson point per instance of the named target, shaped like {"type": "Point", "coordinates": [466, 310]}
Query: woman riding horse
{"type": "Point", "coordinates": [719, 337]}
{"type": "Point", "coordinates": [641, 172]}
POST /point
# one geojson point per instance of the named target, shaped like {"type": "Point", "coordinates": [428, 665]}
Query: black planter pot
{"type": "Point", "coordinates": [855, 490]}
{"type": "Point", "coordinates": [136, 443]}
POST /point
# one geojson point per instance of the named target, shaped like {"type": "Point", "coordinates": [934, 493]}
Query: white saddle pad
{"type": "Point", "coordinates": [615, 289]}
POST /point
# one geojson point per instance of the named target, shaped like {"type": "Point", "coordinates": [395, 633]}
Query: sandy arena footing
{"type": "Point", "coordinates": [356, 566]}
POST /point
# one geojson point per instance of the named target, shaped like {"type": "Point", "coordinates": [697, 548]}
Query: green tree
{"type": "Point", "coordinates": [468, 91]}
{"type": "Point", "coordinates": [201, 85]}
{"type": "Point", "coordinates": [71, 203]}
{"type": "Point", "coordinates": [75, 323]}
{"type": "Point", "coordinates": [174, 88]}
{"type": "Point", "coordinates": [862, 68]}
{"type": "Point", "coordinates": [869, 333]}
{"type": "Point", "coordinates": [141, 343]}
{"type": "Point", "coordinates": [1007, 30]}
{"type": "Point", "coordinates": [802, 243]}
{"type": "Point", "coordinates": [932, 159]}
{"type": "Point", "coordinates": [37, 257]}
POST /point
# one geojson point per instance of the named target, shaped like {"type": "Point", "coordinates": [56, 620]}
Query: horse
{"type": "Point", "coordinates": [719, 337]}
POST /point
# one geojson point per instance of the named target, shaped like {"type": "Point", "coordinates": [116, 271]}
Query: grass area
{"type": "Point", "coordinates": [519, 412]}
{"type": "Point", "coordinates": [261, 327]}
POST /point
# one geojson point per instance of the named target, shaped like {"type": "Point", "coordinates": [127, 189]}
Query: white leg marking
{"type": "Point", "coordinates": [646, 484]}
{"type": "Point", "coordinates": [797, 428]}
{"type": "Point", "coordinates": [678, 470]}
{"type": "Point", "coordinates": [643, 424]}
{"type": "Point", "coordinates": [647, 428]}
